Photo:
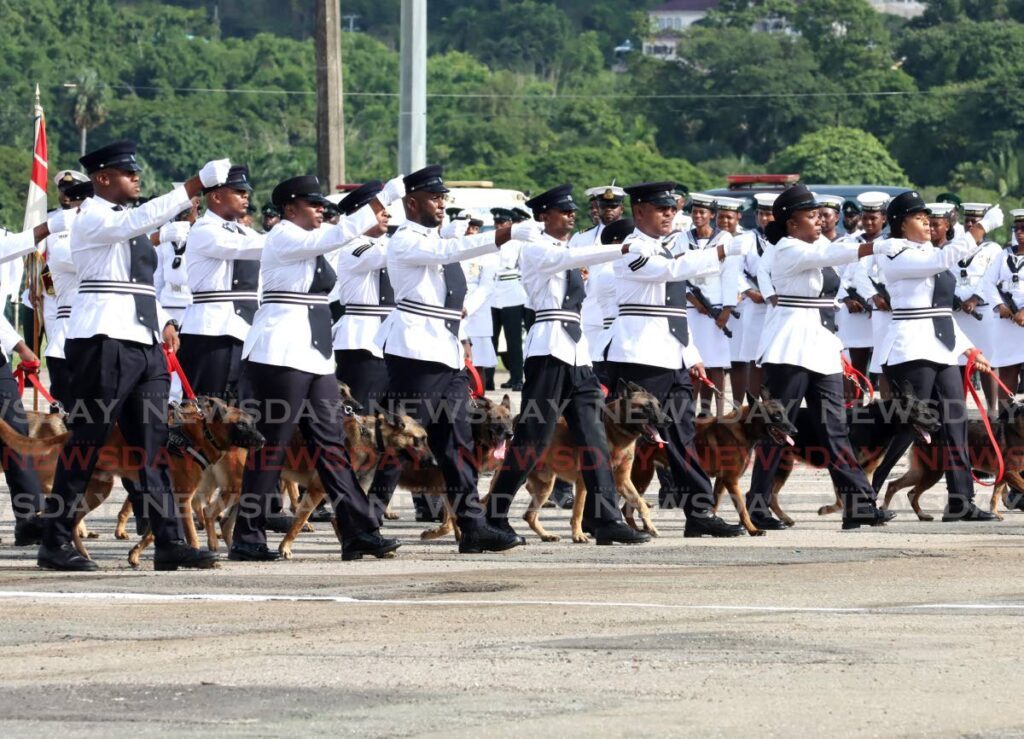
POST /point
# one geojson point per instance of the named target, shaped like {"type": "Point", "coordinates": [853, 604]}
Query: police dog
{"type": "Point", "coordinates": [873, 428]}
{"type": "Point", "coordinates": [724, 446]}
{"type": "Point", "coordinates": [632, 413]}
{"type": "Point", "coordinates": [927, 459]}
{"type": "Point", "coordinates": [369, 440]}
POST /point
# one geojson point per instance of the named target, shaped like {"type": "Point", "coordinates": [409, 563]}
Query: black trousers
{"type": "Point", "coordinates": [552, 389]}
{"type": "Point", "coordinates": [22, 479]}
{"type": "Point", "coordinates": [689, 486]}
{"type": "Point", "coordinates": [510, 320]}
{"type": "Point", "coordinates": [212, 364]}
{"type": "Point", "coordinates": [60, 381]}
{"type": "Point", "coordinates": [941, 385]}
{"type": "Point", "coordinates": [285, 398]}
{"type": "Point", "coordinates": [365, 375]}
{"type": "Point", "coordinates": [529, 316]}
{"type": "Point", "coordinates": [438, 397]}
{"type": "Point", "coordinates": [791, 384]}
{"type": "Point", "coordinates": [127, 383]}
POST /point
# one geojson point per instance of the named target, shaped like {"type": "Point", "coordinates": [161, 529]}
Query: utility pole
{"type": "Point", "coordinates": [330, 112]}
{"type": "Point", "coordinates": [412, 101]}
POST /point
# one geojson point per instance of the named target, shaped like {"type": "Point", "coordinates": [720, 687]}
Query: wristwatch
{"type": "Point", "coordinates": [172, 322]}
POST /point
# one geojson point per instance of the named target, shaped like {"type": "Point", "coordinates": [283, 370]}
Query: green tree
{"type": "Point", "coordinates": [91, 100]}
{"type": "Point", "coordinates": [838, 155]}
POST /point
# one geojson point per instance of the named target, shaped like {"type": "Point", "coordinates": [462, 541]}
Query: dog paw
{"type": "Point", "coordinates": [92, 535]}
{"type": "Point", "coordinates": [389, 516]}
{"type": "Point", "coordinates": [756, 532]}
{"type": "Point", "coordinates": [122, 535]}
{"type": "Point", "coordinates": [650, 529]}
{"type": "Point", "coordinates": [824, 510]}
{"type": "Point", "coordinates": [925, 517]}
{"type": "Point", "coordinates": [308, 527]}
{"type": "Point", "coordinates": [550, 537]}
{"type": "Point", "coordinates": [580, 538]}
{"type": "Point", "coordinates": [285, 552]}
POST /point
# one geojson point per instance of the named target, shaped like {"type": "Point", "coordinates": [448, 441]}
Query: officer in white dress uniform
{"type": "Point", "coordinates": [171, 277]}
{"type": "Point", "coordinates": [118, 369]}
{"type": "Point", "coordinates": [519, 215]}
{"type": "Point", "coordinates": [800, 355]}
{"type": "Point", "coordinates": [426, 368]}
{"type": "Point", "coordinates": [224, 275]}
{"type": "Point", "coordinates": [64, 279]}
{"type": "Point", "coordinates": [854, 321]}
{"type": "Point", "coordinates": [729, 213]}
{"type": "Point", "coordinates": [288, 367]}
{"type": "Point", "coordinates": [507, 303]}
{"type": "Point", "coordinates": [559, 378]}
{"type": "Point", "coordinates": [710, 309]}
{"type": "Point", "coordinates": [481, 284]}
{"type": "Point", "coordinates": [923, 342]}
{"type": "Point", "coordinates": [65, 180]}
{"type": "Point", "coordinates": [366, 297]}
{"type": "Point", "coordinates": [753, 307]}
{"type": "Point", "coordinates": [1003, 286]}
{"type": "Point", "coordinates": [601, 286]}
{"type": "Point", "coordinates": [649, 339]}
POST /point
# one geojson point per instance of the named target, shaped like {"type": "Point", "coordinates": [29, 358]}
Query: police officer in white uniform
{"type": "Point", "coordinates": [559, 378]}
{"type": "Point", "coordinates": [727, 218]}
{"type": "Point", "coordinates": [923, 343]}
{"type": "Point", "coordinates": [171, 277]}
{"type": "Point", "coordinates": [482, 280]}
{"type": "Point", "coordinates": [800, 355]}
{"type": "Point", "coordinates": [868, 279]}
{"type": "Point", "coordinates": [366, 297]}
{"type": "Point", "coordinates": [507, 305]}
{"type": "Point", "coordinates": [752, 307]}
{"type": "Point", "coordinates": [855, 321]}
{"type": "Point", "coordinates": [649, 340]}
{"type": "Point", "coordinates": [65, 180]}
{"type": "Point", "coordinates": [64, 278]}
{"type": "Point", "coordinates": [288, 367]}
{"type": "Point", "coordinates": [1003, 286]}
{"type": "Point", "coordinates": [223, 273]}
{"type": "Point", "coordinates": [426, 367]}
{"type": "Point", "coordinates": [119, 373]}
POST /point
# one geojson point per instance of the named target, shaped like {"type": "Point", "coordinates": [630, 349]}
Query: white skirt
{"type": "Point", "coordinates": [854, 329]}
{"type": "Point", "coordinates": [483, 352]}
{"type": "Point", "coordinates": [711, 342]}
{"type": "Point", "coordinates": [880, 320]}
{"type": "Point", "coordinates": [737, 327]}
{"type": "Point", "coordinates": [1006, 340]}
{"type": "Point", "coordinates": [753, 324]}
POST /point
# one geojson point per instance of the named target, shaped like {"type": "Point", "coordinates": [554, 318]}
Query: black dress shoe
{"type": "Point", "coordinates": [507, 384]}
{"type": "Point", "coordinates": [279, 523]}
{"type": "Point", "coordinates": [243, 552]}
{"type": "Point", "coordinates": [711, 525]}
{"type": "Point", "coordinates": [320, 514]}
{"type": "Point", "coordinates": [487, 538]}
{"type": "Point", "coordinates": [617, 532]}
{"type": "Point", "coordinates": [65, 557]}
{"type": "Point", "coordinates": [28, 532]}
{"type": "Point", "coordinates": [502, 524]}
{"type": "Point", "coordinates": [370, 544]}
{"type": "Point", "coordinates": [971, 513]}
{"type": "Point", "coordinates": [768, 523]}
{"type": "Point", "coordinates": [180, 554]}
{"type": "Point", "coordinates": [561, 495]}
{"type": "Point", "coordinates": [878, 518]}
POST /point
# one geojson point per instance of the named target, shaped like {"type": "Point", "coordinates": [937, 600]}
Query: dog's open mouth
{"type": "Point", "coordinates": [923, 434]}
{"type": "Point", "coordinates": [498, 452]}
{"type": "Point", "coordinates": [780, 437]}
{"type": "Point", "coordinates": [652, 434]}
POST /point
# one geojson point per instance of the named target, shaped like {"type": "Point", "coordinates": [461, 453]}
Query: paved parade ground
{"type": "Point", "coordinates": [913, 629]}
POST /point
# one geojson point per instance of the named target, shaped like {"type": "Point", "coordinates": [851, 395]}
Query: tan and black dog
{"type": "Point", "coordinates": [724, 446]}
{"type": "Point", "coordinates": [927, 459]}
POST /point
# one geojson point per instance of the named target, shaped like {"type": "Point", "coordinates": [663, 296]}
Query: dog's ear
{"type": "Point", "coordinates": [621, 388]}
{"type": "Point", "coordinates": [506, 402]}
{"type": "Point", "coordinates": [634, 388]}
{"type": "Point", "coordinates": [766, 394]}
{"type": "Point", "coordinates": [751, 400]}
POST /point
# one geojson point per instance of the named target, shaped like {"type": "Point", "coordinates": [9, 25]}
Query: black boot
{"type": "Point", "coordinates": [244, 552]}
{"type": "Point", "coordinates": [709, 525]}
{"type": "Point", "coordinates": [486, 538]}
{"type": "Point", "coordinates": [616, 532]}
{"type": "Point", "coordinates": [369, 544]}
{"type": "Point", "coordinates": [65, 557]}
{"type": "Point", "coordinates": [179, 554]}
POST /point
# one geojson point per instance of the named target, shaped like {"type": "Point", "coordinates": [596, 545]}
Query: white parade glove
{"type": "Point", "coordinates": [886, 247]}
{"type": "Point", "coordinates": [215, 172]}
{"type": "Point", "coordinates": [737, 248]}
{"type": "Point", "coordinates": [174, 231]}
{"type": "Point", "coordinates": [643, 248]}
{"type": "Point", "coordinates": [57, 222]}
{"type": "Point", "coordinates": [526, 231]}
{"type": "Point", "coordinates": [992, 219]}
{"type": "Point", "coordinates": [394, 189]}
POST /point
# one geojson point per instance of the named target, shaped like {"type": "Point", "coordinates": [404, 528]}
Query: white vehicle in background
{"type": "Point", "coordinates": [477, 197]}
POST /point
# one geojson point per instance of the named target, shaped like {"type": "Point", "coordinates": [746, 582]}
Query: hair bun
{"type": "Point", "coordinates": [774, 232]}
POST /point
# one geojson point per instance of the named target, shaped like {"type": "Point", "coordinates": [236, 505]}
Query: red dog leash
{"type": "Point", "coordinates": [861, 384]}
{"type": "Point", "coordinates": [30, 370]}
{"type": "Point", "coordinates": [174, 367]}
{"type": "Point", "coordinates": [476, 389]}
{"type": "Point", "coordinates": [969, 370]}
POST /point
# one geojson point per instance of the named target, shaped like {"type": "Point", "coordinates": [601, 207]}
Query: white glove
{"type": "Point", "coordinates": [886, 247]}
{"type": "Point", "coordinates": [58, 221]}
{"type": "Point", "coordinates": [215, 172]}
{"type": "Point", "coordinates": [526, 231]}
{"type": "Point", "coordinates": [643, 248]}
{"type": "Point", "coordinates": [394, 189]}
{"type": "Point", "coordinates": [992, 219]}
{"type": "Point", "coordinates": [174, 231]}
{"type": "Point", "coordinates": [737, 247]}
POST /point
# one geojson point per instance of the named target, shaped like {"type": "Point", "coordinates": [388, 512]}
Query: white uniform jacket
{"type": "Point", "coordinates": [359, 265]}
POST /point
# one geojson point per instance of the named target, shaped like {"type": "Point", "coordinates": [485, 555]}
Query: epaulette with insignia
{"type": "Point", "coordinates": [638, 263]}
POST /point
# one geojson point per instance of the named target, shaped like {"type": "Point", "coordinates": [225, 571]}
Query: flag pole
{"type": "Point", "coordinates": [35, 213]}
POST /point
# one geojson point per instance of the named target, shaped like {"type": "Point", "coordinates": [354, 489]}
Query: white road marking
{"type": "Point", "coordinates": [348, 600]}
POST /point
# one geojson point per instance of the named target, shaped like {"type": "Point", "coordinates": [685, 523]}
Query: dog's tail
{"type": "Point", "coordinates": [22, 444]}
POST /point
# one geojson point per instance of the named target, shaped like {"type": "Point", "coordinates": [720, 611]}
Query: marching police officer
{"type": "Point", "coordinates": [426, 369]}
{"type": "Point", "coordinates": [289, 370]}
{"type": "Point", "coordinates": [366, 297]}
{"type": "Point", "coordinates": [119, 373]}
{"type": "Point", "coordinates": [507, 301]}
{"type": "Point", "coordinates": [223, 276]}
{"type": "Point", "coordinates": [271, 216]}
{"type": "Point", "coordinates": [650, 336]}
{"type": "Point", "coordinates": [559, 377]}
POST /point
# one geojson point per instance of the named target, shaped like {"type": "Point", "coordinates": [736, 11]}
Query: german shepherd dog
{"type": "Point", "coordinates": [927, 459]}
{"type": "Point", "coordinates": [872, 428]}
{"type": "Point", "coordinates": [201, 432]}
{"type": "Point", "coordinates": [724, 446]}
{"type": "Point", "coordinates": [632, 413]}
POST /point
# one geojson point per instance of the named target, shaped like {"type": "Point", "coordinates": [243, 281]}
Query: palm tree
{"type": "Point", "coordinates": [91, 97]}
